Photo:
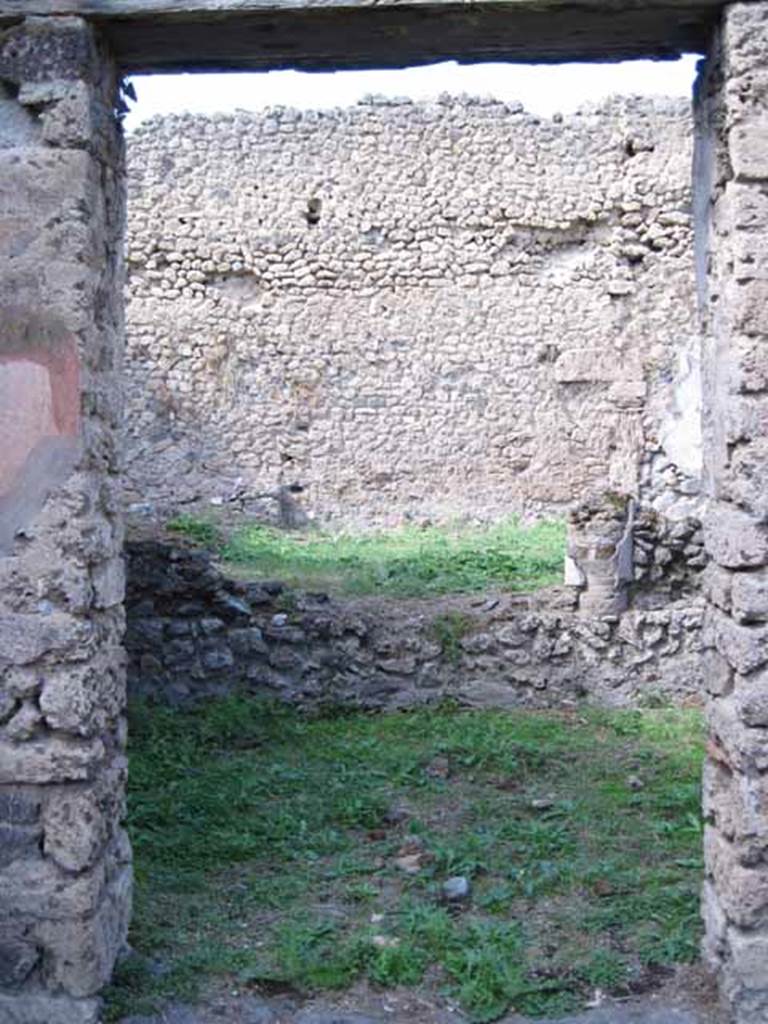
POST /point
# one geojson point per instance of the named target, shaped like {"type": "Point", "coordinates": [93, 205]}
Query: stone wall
{"type": "Point", "coordinates": [194, 633]}
{"type": "Point", "coordinates": [621, 554]}
{"type": "Point", "coordinates": [65, 878]}
{"type": "Point", "coordinates": [412, 309]}
{"type": "Point", "coordinates": [732, 175]}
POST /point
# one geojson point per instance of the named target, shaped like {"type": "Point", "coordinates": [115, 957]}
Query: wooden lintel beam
{"type": "Point", "coordinates": [198, 35]}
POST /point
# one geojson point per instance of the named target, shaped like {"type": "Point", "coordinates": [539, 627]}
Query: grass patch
{"type": "Point", "coordinates": [410, 562]}
{"type": "Point", "coordinates": [266, 847]}
{"type": "Point", "coordinates": [201, 531]}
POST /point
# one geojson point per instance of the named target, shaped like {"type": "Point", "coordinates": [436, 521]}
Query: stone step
{"type": "Point", "coordinates": [617, 1014]}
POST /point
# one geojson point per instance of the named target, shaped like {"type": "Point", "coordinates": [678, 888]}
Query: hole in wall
{"type": "Point", "coordinates": [313, 210]}
{"type": "Point", "coordinates": [10, 88]}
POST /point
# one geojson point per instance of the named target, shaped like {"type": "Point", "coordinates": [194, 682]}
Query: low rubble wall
{"type": "Point", "coordinates": [195, 633]}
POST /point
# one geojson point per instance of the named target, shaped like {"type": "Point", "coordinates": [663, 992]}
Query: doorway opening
{"type": "Point", "coordinates": [389, 318]}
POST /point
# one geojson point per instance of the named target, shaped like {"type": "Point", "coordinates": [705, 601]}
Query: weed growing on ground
{"type": "Point", "coordinates": [409, 562]}
{"type": "Point", "coordinates": [448, 630]}
{"type": "Point", "coordinates": [267, 843]}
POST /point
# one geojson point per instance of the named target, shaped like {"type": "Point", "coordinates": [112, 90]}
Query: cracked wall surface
{"type": "Point", "coordinates": [65, 877]}
{"type": "Point", "coordinates": [412, 309]}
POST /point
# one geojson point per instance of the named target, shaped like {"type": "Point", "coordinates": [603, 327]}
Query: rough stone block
{"type": "Point", "coordinates": [742, 367]}
{"type": "Point", "coordinates": [511, 635]}
{"type": "Point", "coordinates": [751, 698]}
{"type": "Point", "coordinates": [42, 566]}
{"type": "Point", "coordinates": [49, 759]}
{"type": "Point", "coordinates": [716, 584]}
{"type": "Point", "coordinates": [34, 176]}
{"type": "Point", "coordinates": [742, 890]}
{"type": "Point", "coordinates": [749, 254]}
{"type": "Point", "coordinates": [80, 952]}
{"type": "Point", "coordinates": [581, 365]}
{"type": "Point", "coordinates": [18, 842]}
{"type": "Point", "coordinates": [745, 418]}
{"type": "Point", "coordinates": [109, 583]}
{"type": "Point", "coordinates": [75, 830]}
{"type": "Point", "coordinates": [748, 148]}
{"type": "Point", "coordinates": [628, 394]}
{"type": "Point", "coordinates": [744, 481]}
{"type": "Point", "coordinates": [715, 925]}
{"type": "Point", "coordinates": [18, 127]}
{"type": "Point", "coordinates": [39, 889]}
{"type": "Point", "coordinates": [43, 1009]}
{"type": "Point", "coordinates": [149, 632]}
{"type": "Point", "coordinates": [733, 538]}
{"type": "Point", "coordinates": [735, 803]}
{"type": "Point", "coordinates": [745, 206]}
{"type": "Point", "coordinates": [84, 699]}
{"type": "Point", "coordinates": [749, 953]}
{"type": "Point", "coordinates": [24, 722]}
{"type": "Point", "coordinates": [249, 640]}
{"type": "Point", "coordinates": [79, 821]}
{"type": "Point", "coordinates": [713, 670]}
{"type": "Point", "coordinates": [744, 29]}
{"type": "Point", "coordinates": [19, 808]}
{"type": "Point", "coordinates": [744, 311]}
{"type": "Point", "coordinates": [739, 747]}
{"type": "Point", "coordinates": [217, 658]}
{"type": "Point", "coordinates": [67, 111]}
{"type": "Point", "coordinates": [747, 1006]}
{"type": "Point", "coordinates": [49, 49]}
{"type": "Point", "coordinates": [749, 591]}
{"type": "Point", "coordinates": [18, 958]}
{"type": "Point", "coordinates": [25, 638]}
{"type": "Point", "coordinates": [745, 647]}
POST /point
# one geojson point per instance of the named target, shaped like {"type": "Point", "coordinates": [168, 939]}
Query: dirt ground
{"type": "Point", "coordinates": [688, 997]}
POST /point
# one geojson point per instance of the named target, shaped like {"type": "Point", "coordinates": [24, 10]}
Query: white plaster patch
{"type": "Point", "coordinates": [680, 433]}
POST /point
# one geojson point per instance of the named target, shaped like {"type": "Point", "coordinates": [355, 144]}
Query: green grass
{"type": "Point", "coordinates": [266, 842]}
{"type": "Point", "coordinates": [201, 531]}
{"type": "Point", "coordinates": [410, 562]}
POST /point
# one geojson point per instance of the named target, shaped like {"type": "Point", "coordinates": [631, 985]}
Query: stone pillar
{"type": "Point", "coordinates": [599, 553]}
{"type": "Point", "coordinates": [731, 183]}
{"type": "Point", "coordinates": [65, 876]}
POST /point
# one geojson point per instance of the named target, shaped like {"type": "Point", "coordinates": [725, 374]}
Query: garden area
{"type": "Point", "coordinates": [413, 561]}
{"type": "Point", "coordinates": [492, 861]}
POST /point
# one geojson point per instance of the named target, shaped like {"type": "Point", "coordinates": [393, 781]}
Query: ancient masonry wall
{"type": "Point", "coordinates": [193, 633]}
{"type": "Point", "coordinates": [65, 876]}
{"type": "Point", "coordinates": [412, 309]}
{"type": "Point", "coordinates": [732, 176]}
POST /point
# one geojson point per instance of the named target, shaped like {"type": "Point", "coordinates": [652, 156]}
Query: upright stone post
{"type": "Point", "coordinates": [65, 876]}
{"type": "Point", "coordinates": [598, 559]}
{"type": "Point", "coordinates": [731, 181]}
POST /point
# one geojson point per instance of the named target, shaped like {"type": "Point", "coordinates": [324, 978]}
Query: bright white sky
{"type": "Point", "coordinates": [542, 89]}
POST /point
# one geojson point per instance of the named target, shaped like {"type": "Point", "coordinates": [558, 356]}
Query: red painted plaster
{"type": "Point", "coordinates": [39, 402]}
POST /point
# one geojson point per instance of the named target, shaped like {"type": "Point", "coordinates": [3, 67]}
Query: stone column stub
{"type": "Point", "coordinates": [599, 553]}
{"type": "Point", "coordinates": [65, 871]}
